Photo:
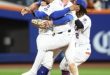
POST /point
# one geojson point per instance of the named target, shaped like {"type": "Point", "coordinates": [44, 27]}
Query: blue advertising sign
{"type": "Point", "coordinates": [100, 37]}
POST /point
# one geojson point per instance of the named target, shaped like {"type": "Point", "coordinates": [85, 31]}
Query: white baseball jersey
{"type": "Point", "coordinates": [78, 51]}
{"type": "Point", "coordinates": [55, 6]}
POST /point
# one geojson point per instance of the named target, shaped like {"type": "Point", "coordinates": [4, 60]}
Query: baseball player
{"type": "Point", "coordinates": [49, 39]}
{"type": "Point", "coordinates": [31, 9]}
{"type": "Point", "coordinates": [80, 52]}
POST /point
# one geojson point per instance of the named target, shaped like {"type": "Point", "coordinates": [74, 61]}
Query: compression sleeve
{"type": "Point", "coordinates": [40, 14]}
{"type": "Point", "coordinates": [53, 16]}
{"type": "Point", "coordinates": [59, 14]}
{"type": "Point", "coordinates": [63, 20]}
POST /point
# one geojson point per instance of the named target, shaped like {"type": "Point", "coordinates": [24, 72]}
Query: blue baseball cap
{"type": "Point", "coordinates": [82, 2]}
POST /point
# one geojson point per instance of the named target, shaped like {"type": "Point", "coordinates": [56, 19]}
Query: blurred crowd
{"type": "Point", "coordinates": [91, 4]}
{"type": "Point", "coordinates": [98, 4]}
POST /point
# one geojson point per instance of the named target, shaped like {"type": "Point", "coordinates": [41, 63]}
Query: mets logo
{"type": "Point", "coordinates": [101, 42]}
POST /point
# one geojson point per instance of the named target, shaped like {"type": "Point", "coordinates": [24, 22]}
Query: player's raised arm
{"type": "Point", "coordinates": [31, 8]}
{"type": "Point", "coordinates": [61, 13]}
{"type": "Point", "coordinates": [57, 14]}
{"type": "Point", "coordinates": [67, 18]}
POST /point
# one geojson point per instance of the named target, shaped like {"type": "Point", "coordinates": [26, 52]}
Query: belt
{"type": "Point", "coordinates": [62, 32]}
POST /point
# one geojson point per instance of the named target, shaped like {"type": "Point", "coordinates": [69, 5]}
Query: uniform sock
{"type": "Point", "coordinates": [42, 71]}
{"type": "Point", "coordinates": [65, 72]}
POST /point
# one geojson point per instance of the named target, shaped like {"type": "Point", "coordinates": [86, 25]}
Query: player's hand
{"type": "Point", "coordinates": [25, 10]}
{"type": "Point", "coordinates": [29, 9]}
{"type": "Point", "coordinates": [74, 7]}
{"type": "Point", "coordinates": [43, 24]}
{"type": "Point", "coordinates": [48, 23]}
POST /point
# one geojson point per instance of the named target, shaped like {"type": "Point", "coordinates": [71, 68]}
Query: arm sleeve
{"type": "Point", "coordinates": [40, 14]}
{"type": "Point", "coordinates": [59, 14]}
{"type": "Point", "coordinates": [53, 16]}
{"type": "Point", "coordinates": [63, 20]}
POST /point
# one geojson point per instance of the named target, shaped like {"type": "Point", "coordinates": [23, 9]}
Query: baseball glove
{"type": "Point", "coordinates": [39, 23]}
{"type": "Point", "coordinates": [79, 24]}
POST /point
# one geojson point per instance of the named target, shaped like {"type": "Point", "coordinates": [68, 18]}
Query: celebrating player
{"type": "Point", "coordinates": [46, 45]}
{"type": "Point", "coordinates": [78, 53]}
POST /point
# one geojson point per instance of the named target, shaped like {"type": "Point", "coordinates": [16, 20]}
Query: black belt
{"type": "Point", "coordinates": [61, 32]}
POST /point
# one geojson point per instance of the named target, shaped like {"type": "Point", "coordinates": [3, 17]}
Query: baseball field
{"type": "Point", "coordinates": [84, 69]}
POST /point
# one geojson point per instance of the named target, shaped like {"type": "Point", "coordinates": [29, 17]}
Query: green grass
{"type": "Point", "coordinates": [83, 71]}
{"type": "Point", "coordinates": [12, 71]}
{"type": "Point", "coordinates": [95, 71]}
